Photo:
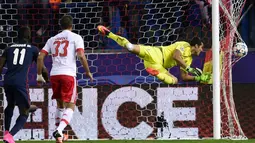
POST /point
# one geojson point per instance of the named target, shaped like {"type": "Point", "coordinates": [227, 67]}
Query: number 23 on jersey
{"type": "Point", "coordinates": [63, 44]}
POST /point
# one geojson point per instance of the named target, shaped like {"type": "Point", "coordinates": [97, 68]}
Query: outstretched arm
{"type": "Point", "coordinates": [178, 58]}
{"type": "Point", "coordinates": [186, 77]}
{"type": "Point", "coordinates": [202, 78]}
{"type": "Point", "coordinates": [185, 68]}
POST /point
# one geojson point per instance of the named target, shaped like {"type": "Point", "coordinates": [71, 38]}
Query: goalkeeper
{"type": "Point", "coordinates": [158, 58]}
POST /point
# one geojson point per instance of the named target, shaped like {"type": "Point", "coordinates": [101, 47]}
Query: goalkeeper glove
{"type": "Point", "coordinates": [203, 77]}
{"type": "Point", "coordinates": [194, 71]}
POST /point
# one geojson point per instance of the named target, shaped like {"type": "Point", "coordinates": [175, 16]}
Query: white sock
{"type": "Point", "coordinates": [58, 116]}
{"type": "Point", "coordinates": [130, 46]}
{"type": "Point", "coordinates": [65, 120]}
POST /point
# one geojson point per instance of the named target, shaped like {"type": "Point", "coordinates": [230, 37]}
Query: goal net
{"type": "Point", "coordinates": [124, 102]}
{"type": "Point", "coordinates": [230, 12]}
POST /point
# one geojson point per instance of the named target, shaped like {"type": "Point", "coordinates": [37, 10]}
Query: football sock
{"type": "Point", "coordinates": [65, 120]}
{"type": "Point", "coordinates": [58, 115]}
{"type": "Point", "coordinates": [121, 41]}
{"type": "Point", "coordinates": [166, 78]}
{"type": "Point", "coordinates": [8, 113]}
{"type": "Point", "coordinates": [19, 124]}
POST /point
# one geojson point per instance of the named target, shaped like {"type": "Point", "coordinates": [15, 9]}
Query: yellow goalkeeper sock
{"type": "Point", "coordinates": [120, 40]}
{"type": "Point", "coordinates": [166, 78]}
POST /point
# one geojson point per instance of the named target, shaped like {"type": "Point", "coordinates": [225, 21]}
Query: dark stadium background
{"type": "Point", "coordinates": [122, 69]}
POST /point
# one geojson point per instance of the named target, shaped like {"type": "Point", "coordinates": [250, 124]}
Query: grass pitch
{"type": "Point", "coordinates": [149, 141]}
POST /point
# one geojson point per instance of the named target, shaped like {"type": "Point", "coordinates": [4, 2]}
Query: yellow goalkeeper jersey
{"type": "Point", "coordinates": [168, 51]}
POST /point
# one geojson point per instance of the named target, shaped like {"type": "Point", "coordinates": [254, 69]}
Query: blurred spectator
{"type": "Point", "coordinates": [124, 17]}
{"type": "Point", "coordinates": [247, 23]}
{"type": "Point", "coordinates": [118, 15]}
{"type": "Point", "coordinates": [69, 1]}
{"type": "Point", "coordinates": [34, 13]}
{"type": "Point", "coordinates": [42, 16]}
{"type": "Point", "coordinates": [197, 21]}
{"type": "Point", "coordinates": [204, 6]}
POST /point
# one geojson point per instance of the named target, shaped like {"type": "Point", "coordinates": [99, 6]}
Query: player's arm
{"type": "Point", "coordinates": [44, 69]}
{"type": "Point", "coordinates": [79, 45]}
{"type": "Point", "coordinates": [186, 77]}
{"type": "Point", "coordinates": [3, 60]}
{"type": "Point", "coordinates": [40, 64]}
{"type": "Point", "coordinates": [41, 69]}
{"type": "Point", "coordinates": [84, 62]}
{"type": "Point", "coordinates": [202, 78]}
{"type": "Point", "coordinates": [42, 72]}
{"type": "Point", "coordinates": [45, 73]}
{"type": "Point", "coordinates": [2, 63]}
{"type": "Point", "coordinates": [178, 58]}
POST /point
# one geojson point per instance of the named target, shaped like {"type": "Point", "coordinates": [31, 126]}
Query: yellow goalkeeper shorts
{"type": "Point", "coordinates": [151, 54]}
{"type": "Point", "coordinates": [153, 58]}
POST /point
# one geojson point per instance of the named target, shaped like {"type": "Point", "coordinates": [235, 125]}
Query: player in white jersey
{"type": "Point", "coordinates": [64, 47]}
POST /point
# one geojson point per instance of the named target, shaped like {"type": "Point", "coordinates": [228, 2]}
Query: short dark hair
{"type": "Point", "coordinates": [66, 22]}
{"type": "Point", "coordinates": [24, 33]}
{"type": "Point", "coordinates": [196, 40]}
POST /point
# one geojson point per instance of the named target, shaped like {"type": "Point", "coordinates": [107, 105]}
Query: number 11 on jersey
{"type": "Point", "coordinates": [16, 55]}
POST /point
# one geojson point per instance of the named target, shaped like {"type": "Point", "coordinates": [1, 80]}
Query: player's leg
{"type": "Point", "coordinates": [59, 112]}
{"type": "Point", "coordinates": [66, 118]}
{"type": "Point", "coordinates": [167, 78]}
{"type": "Point", "coordinates": [23, 102]}
{"type": "Point", "coordinates": [153, 61]}
{"type": "Point", "coordinates": [161, 73]}
{"type": "Point", "coordinates": [56, 88]}
{"type": "Point", "coordinates": [152, 55]}
{"type": "Point", "coordinates": [21, 120]}
{"type": "Point", "coordinates": [133, 48]}
{"type": "Point", "coordinates": [68, 99]}
{"type": "Point", "coordinates": [8, 113]}
{"type": "Point", "coordinates": [58, 116]}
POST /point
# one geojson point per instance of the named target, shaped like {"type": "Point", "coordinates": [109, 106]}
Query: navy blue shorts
{"type": "Point", "coordinates": [17, 95]}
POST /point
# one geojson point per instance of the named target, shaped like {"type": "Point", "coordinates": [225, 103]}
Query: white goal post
{"type": "Point", "coordinates": [216, 69]}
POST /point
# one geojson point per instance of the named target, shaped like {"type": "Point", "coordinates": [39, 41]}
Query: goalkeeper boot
{"type": "Point", "coordinates": [58, 137]}
{"type": "Point", "coordinates": [152, 71]}
{"type": "Point", "coordinates": [103, 30]}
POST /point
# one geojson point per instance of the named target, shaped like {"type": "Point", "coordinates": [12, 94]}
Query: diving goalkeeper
{"type": "Point", "coordinates": [158, 58]}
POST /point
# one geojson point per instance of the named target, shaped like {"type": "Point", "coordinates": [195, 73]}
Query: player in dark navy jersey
{"type": "Point", "coordinates": [18, 58]}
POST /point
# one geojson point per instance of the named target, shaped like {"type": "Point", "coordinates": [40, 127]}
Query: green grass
{"type": "Point", "coordinates": [149, 141]}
